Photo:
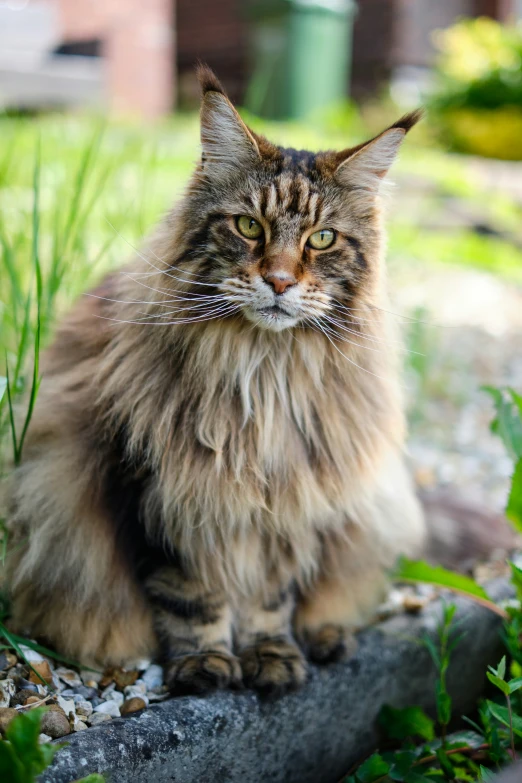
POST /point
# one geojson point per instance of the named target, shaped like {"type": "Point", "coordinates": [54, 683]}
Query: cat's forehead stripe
{"type": "Point", "coordinates": [289, 193]}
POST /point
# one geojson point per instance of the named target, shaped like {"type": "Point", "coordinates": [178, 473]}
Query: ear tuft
{"type": "Point", "coordinates": [365, 166]}
{"type": "Point", "coordinates": [226, 142]}
{"type": "Point", "coordinates": [208, 81]}
{"type": "Point", "coordinates": [407, 122]}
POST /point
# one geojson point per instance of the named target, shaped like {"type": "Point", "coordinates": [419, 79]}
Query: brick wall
{"type": "Point", "coordinates": [138, 41]}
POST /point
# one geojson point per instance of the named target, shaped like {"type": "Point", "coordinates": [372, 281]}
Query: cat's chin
{"type": "Point", "coordinates": [272, 319]}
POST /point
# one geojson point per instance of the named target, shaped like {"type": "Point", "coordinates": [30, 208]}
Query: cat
{"type": "Point", "coordinates": [214, 469]}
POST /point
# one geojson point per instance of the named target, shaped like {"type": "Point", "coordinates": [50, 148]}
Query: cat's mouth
{"type": "Point", "coordinates": [272, 317]}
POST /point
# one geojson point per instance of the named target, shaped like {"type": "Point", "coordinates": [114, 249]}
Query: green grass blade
{"type": "Point", "coordinates": [419, 571]}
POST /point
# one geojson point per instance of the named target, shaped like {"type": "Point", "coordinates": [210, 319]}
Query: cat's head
{"type": "Point", "coordinates": [286, 236]}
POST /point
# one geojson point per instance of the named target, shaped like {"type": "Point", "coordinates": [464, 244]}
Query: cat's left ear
{"type": "Point", "coordinates": [365, 166]}
{"type": "Point", "coordinates": [225, 139]}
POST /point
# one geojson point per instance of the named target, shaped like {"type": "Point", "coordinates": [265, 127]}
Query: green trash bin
{"type": "Point", "coordinates": [301, 53]}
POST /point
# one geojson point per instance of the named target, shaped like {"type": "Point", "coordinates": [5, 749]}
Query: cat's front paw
{"type": "Point", "coordinates": [329, 643]}
{"type": "Point", "coordinates": [202, 673]}
{"type": "Point", "coordinates": [273, 667]}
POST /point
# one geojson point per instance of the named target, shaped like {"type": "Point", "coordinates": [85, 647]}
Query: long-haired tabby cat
{"type": "Point", "coordinates": [214, 469]}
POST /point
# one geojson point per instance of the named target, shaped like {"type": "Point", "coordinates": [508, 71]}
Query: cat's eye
{"type": "Point", "coordinates": [249, 227]}
{"type": "Point", "coordinates": [322, 239]}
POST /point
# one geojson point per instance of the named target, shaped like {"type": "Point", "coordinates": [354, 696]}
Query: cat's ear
{"type": "Point", "coordinates": [365, 166]}
{"type": "Point", "coordinates": [225, 139]}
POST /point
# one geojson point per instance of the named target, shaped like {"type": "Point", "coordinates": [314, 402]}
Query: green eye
{"type": "Point", "coordinates": [249, 227]}
{"type": "Point", "coordinates": [322, 239]}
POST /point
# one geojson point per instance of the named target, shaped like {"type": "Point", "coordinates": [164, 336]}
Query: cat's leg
{"type": "Point", "coordinates": [194, 626]}
{"type": "Point", "coordinates": [351, 582]}
{"type": "Point", "coordinates": [271, 661]}
{"type": "Point", "coordinates": [334, 607]}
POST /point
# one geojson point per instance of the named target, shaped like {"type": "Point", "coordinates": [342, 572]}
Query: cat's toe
{"type": "Point", "coordinates": [273, 667]}
{"type": "Point", "coordinates": [329, 644]}
{"type": "Point", "coordinates": [202, 673]}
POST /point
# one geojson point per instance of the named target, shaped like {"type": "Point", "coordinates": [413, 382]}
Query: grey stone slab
{"type": "Point", "coordinates": [312, 736]}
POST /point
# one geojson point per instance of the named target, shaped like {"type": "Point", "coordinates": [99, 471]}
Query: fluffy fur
{"type": "Point", "coordinates": [215, 469]}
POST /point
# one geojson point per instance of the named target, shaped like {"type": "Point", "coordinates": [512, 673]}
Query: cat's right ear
{"type": "Point", "coordinates": [225, 139]}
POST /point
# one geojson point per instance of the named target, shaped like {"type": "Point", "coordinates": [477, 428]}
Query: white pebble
{"type": "Point", "coordinates": [140, 664]}
{"type": "Point", "coordinates": [108, 708]}
{"type": "Point", "coordinates": [69, 677]}
{"type": "Point", "coordinates": [108, 691]}
{"type": "Point", "coordinates": [67, 705]}
{"type": "Point", "coordinates": [31, 655]}
{"type": "Point", "coordinates": [88, 677]}
{"type": "Point", "coordinates": [83, 707]}
{"type": "Point", "coordinates": [44, 738]}
{"type": "Point", "coordinates": [118, 697]}
{"type": "Point", "coordinates": [135, 693]}
{"type": "Point", "coordinates": [153, 676]}
{"type": "Point", "coordinates": [98, 717]}
{"type": "Point", "coordinates": [7, 689]}
{"type": "Point", "coordinates": [136, 689]}
{"type": "Point", "coordinates": [77, 724]}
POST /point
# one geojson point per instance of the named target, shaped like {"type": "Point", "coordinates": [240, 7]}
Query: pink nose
{"type": "Point", "coordinates": [280, 282]}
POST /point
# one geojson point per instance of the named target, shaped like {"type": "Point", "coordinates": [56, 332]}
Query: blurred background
{"type": "Point", "coordinates": [99, 133]}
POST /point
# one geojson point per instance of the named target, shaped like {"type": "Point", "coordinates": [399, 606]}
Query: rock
{"type": "Point", "coordinates": [32, 700]}
{"type": "Point", "coordinates": [108, 708]}
{"type": "Point", "coordinates": [77, 724]}
{"type": "Point", "coordinates": [90, 678]}
{"type": "Point", "coordinates": [314, 735]}
{"type": "Point", "coordinates": [141, 664]}
{"type": "Point", "coordinates": [98, 717]}
{"type": "Point", "coordinates": [133, 705]}
{"type": "Point", "coordinates": [123, 678]}
{"type": "Point", "coordinates": [160, 694]}
{"type": "Point", "coordinates": [7, 660]}
{"type": "Point", "coordinates": [134, 693]}
{"type": "Point", "coordinates": [31, 655]}
{"type": "Point", "coordinates": [153, 676]}
{"type": "Point", "coordinates": [86, 692]}
{"type": "Point", "coordinates": [96, 701]}
{"type": "Point", "coordinates": [118, 697]}
{"type": "Point", "coordinates": [138, 689]}
{"type": "Point", "coordinates": [26, 684]}
{"type": "Point", "coordinates": [55, 724]}
{"type": "Point", "coordinates": [20, 697]}
{"type": "Point", "coordinates": [108, 691]}
{"type": "Point", "coordinates": [44, 671]}
{"type": "Point", "coordinates": [7, 690]}
{"type": "Point", "coordinates": [67, 705]}
{"type": "Point", "coordinates": [6, 716]}
{"type": "Point", "coordinates": [43, 738]}
{"type": "Point", "coordinates": [70, 678]}
{"type": "Point", "coordinates": [84, 708]}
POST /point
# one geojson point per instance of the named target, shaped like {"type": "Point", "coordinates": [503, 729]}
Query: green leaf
{"type": "Point", "coordinates": [443, 705]}
{"type": "Point", "coordinates": [3, 386]}
{"type": "Point", "coordinates": [508, 422]}
{"type": "Point", "coordinates": [409, 722]}
{"type": "Point", "coordinates": [23, 734]}
{"type": "Point", "coordinates": [445, 763]}
{"type": "Point", "coordinates": [487, 775]}
{"type": "Point", "coordinates": [514, 505]}
{"type": "Point", "coordinates": [502, 714]}
{"type": "Point", "coordinates": [515, 684]}
{"type": "Point", "coordinates": [94, 778]}
{"type": "Point", "coordinates": [11, 768]}
{"type": "Point", "coordinates": [501, 669]}
{"type": "Point", "coordinates": [372, 769]}
{"type": "Point", "coordinates": [498, 683]}
{"type": "Point", "coordinates": [419, 571]}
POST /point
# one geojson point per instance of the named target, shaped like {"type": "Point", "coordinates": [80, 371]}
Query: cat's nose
{"type": "Point", "coordinates": [280, 282]}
